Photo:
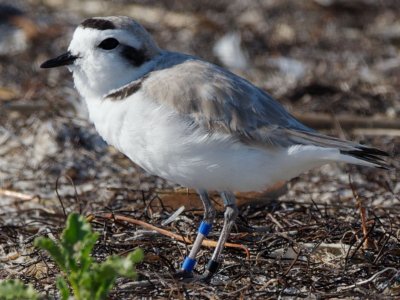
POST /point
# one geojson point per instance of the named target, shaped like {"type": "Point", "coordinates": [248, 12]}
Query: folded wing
{"type": "Point", "coordinates": [220, 101]}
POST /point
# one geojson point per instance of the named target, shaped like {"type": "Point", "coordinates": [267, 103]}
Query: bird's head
{"type": "Point", "coordinates": [106, 53]}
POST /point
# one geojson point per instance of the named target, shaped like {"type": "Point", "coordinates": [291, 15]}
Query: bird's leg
{"type": "Point", "coordinates": [231, 212]}
{"type": "Point", "coordinates": [203, 231]}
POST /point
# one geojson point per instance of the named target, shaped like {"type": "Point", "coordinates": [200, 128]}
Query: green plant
{"type": "Point", "coordinates": [15, 289]}
{"type": "Point", "coordinates": [88, 280]}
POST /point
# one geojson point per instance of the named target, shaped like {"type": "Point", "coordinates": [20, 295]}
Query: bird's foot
{"type": "Point", "coordinates": [184, 276]}
{"type": "Point", "coordinates": [205, 277]}
{"type": "Point", "coordinates": [189, 277]}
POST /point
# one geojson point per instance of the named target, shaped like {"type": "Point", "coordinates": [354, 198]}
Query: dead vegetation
{"type": "Point", "coordinates": [338, 61]}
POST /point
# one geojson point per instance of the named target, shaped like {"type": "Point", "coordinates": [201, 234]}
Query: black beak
{"type": "Point", "coordinates": [62, 60]}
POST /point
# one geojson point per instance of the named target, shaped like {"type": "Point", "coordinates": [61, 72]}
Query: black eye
{"type": "Point", "coordinates": [108, 44]}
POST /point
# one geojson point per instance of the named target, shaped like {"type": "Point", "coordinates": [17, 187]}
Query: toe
{"type": "Point", "coordinates": [183, 275]}
{"type": "Point", "coordinates": [205, 278]}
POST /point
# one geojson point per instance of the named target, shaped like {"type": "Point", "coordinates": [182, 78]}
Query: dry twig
{"type": "Point", "coordinates": [207, 243]}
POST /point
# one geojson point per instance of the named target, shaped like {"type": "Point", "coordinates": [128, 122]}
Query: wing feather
{"type": "Point", "coordinates": [221, 101]}
{"type": "Point", "coordinates": [217, 99]}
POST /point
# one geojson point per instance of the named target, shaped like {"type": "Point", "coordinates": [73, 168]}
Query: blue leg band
{"type": "Point", "coordinates": [188, 264]}
{"type": "Point", "coordinates": [204, 228]}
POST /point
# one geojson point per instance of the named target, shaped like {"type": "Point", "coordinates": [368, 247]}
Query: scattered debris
{"type": "Point", "coordinates": [230, 53]}
{"type": "Point", "coordinates": [301, 239]}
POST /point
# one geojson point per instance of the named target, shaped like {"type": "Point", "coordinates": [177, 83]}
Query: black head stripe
{"type": "Point", "coordinates": [99, 24]}
{"type": "Point", "coordinates": [134, 56]}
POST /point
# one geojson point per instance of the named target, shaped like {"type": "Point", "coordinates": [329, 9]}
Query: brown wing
{"type": "Point", "coordinates": [216, 98]}
{"type": "Point", "coordinates": [220, 101]}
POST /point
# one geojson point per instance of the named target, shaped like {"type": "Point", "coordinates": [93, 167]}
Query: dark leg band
{"type": "Point", "coordinates": [213, 266]}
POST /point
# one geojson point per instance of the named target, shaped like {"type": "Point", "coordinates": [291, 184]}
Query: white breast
{"type": "Point", "coordinates": [165, 144]}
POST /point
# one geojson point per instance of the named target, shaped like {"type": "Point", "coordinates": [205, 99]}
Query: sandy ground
{"type": "Point", "coordinates": [334, 63]}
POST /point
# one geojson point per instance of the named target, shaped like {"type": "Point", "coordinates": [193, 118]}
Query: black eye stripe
{"type": "Point", "coordinates": [108, 44]}
{"type": "Point", "coordinates": [135, 57]}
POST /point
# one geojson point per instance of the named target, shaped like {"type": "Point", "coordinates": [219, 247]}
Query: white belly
{"type": "Point", "coordinates": [164, 144]}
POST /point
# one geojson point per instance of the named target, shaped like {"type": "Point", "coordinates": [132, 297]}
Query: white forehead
{"type": "Point", "coordinates": [89, 38]}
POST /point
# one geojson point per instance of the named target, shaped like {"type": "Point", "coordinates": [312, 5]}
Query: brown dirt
{"type": "Point", "coordinates": [307, 244]}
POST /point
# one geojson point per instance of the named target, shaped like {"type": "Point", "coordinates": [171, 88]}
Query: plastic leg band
{"type": "Point", "coordinates": [213, 266]}
{"type": "Point", "coordinates": [204, 228]}
{"type": "Point", "coordinates": [188, 264]}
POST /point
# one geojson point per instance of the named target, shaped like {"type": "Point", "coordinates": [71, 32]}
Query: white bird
{"type": "Point", "coordinates": [192, 122]}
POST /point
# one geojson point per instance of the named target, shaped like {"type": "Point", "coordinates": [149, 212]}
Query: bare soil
{"type": "Point", "coordinates": [329, 58]}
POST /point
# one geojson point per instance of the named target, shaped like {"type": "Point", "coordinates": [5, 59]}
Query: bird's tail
{"type": "Point", "coordinates": [346, 151]}
{"type": "Point", "coordinates": [367, 156]}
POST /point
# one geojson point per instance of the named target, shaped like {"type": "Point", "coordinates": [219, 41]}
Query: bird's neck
{"type": "Point", "coordinates": [95, 84]}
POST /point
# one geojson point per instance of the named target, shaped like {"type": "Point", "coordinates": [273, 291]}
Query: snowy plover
{"type": "Point", "coordinates": [192, 122]}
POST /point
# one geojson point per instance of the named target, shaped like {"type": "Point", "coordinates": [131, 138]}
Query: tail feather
{"type": "Point", "coordinates": [350, 152]}
{"type": "Point", "coordinates": [369, 155]}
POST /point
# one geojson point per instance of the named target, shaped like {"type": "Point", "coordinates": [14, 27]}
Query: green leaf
{"type": "Point", "coordinates": [103, 279]}
{"type": "Point", "coordinates": [63, 288]}
{"type": "Point", "coordinates": [136, 256]}
{"type": "Point", "coordinates": [87, 279]}
{"type": "Point", "coordinates": [54, 250]}
{"type": "Point", "coordinates": [16, 289]}
{"type": "Point", "coordinates": [77, 242]}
